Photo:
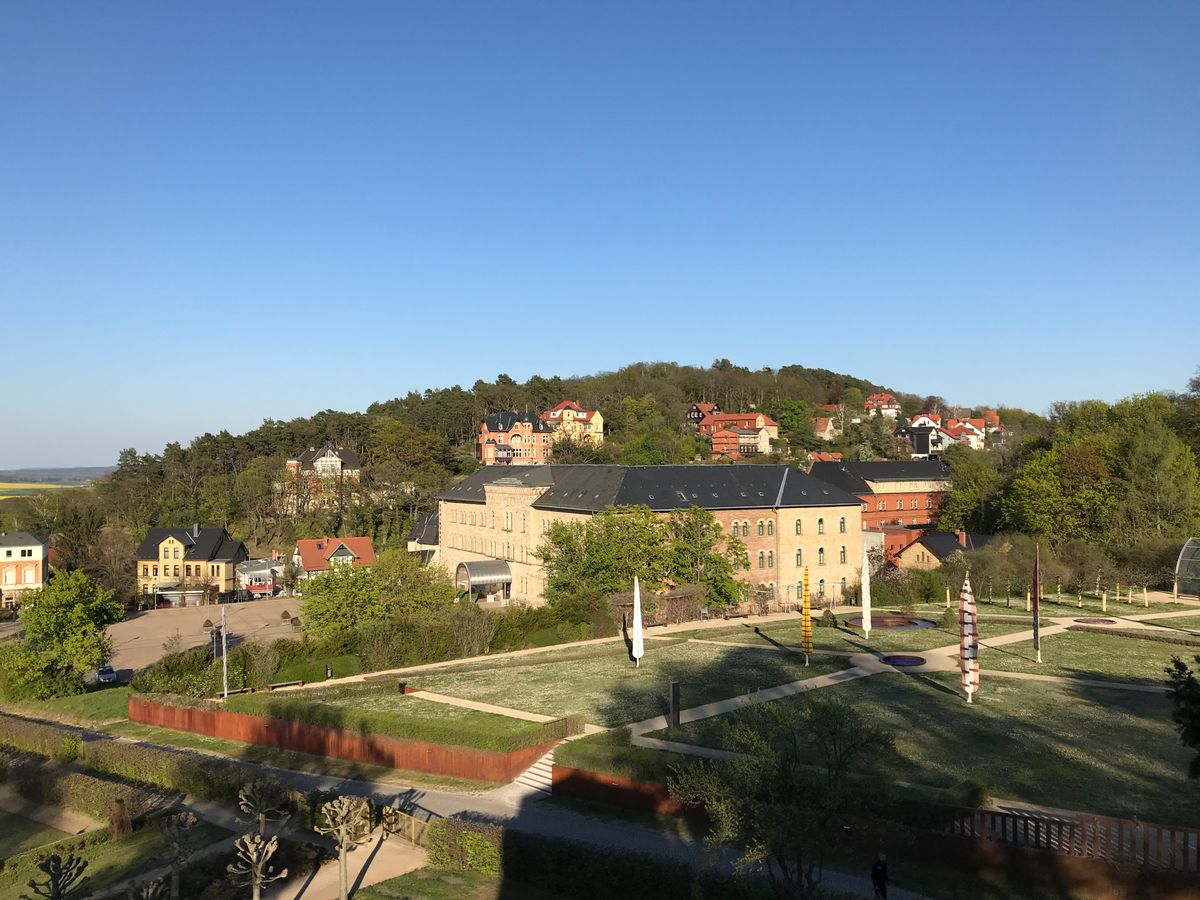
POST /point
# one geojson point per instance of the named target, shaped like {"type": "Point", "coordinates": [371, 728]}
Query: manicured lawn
{"type": "Point", "coordinates": [287, 759]}
{"type": "Point", "coordinates": [111, 862]}
{"type": "Point", "coordinates": [849, 640]}
{"type": "Point", "coordinates": [408, 706]}
{"type": "Point", "coordinates": [1098, 750]}
{"type": "Point", "coordinates": [607, 689]}
{"type": "Point", "coordinates": [436, 884]}
{"type": "Point", "coordinates": [315, 669]}
{"type": "Point", "coordinates": [102, 705]}
{"type": "Point", "coordinates": [1084, 654]}
{"type": "Point", "coordinates": [18, 833]}
{"type": "Point", "coordinates": [1189, 623]}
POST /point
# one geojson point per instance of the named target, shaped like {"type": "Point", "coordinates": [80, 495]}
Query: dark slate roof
{"type": "Point", "coordinates": [19, 539]}
{"type": "Point", "coordinates": [944, 543]}
{"type": "Point", "coordinates": [918, 437]}
{"type": "Point", "coordinates": [853, 476]}
{"type": "Point", "coordinates": [209, 544]}
{"type": "Point", "coordinates": [426, 529]}
{"type": "Point", "coordinates": [349, 458]}
{"type": "Point", "coordinates": [506, 419]}
{"type": "Point", "coordinates": [591, 488]}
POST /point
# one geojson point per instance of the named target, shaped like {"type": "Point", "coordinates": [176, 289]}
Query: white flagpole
{"type": "Point", "coordinates": [639, 649]}
{"type": "Point", "coordinates": [866, 593]}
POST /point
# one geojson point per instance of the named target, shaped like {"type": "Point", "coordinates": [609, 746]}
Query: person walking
{"type": "Point", "coordinates": [879, 876]}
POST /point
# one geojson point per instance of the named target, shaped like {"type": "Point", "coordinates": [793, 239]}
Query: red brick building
{"type": "Point", "coordinates": [715, 422]}
{"type": "Point", "coordinates": [507, 437]}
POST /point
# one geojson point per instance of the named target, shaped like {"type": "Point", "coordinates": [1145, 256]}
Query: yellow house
{"type": "Point", "coordinates": [188, 566]}
{"type": "Point", "coordinates": [570, 420]}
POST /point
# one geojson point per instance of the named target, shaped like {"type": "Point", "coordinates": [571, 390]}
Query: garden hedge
{"type": "Point", "coordinates": [207, 777]}
{"type": "Point", "coordinates": [88, 794]}
{"type": "Point", "coordinates": [573, 870]}
{"type": "Point", "coordinates": [41, 738]}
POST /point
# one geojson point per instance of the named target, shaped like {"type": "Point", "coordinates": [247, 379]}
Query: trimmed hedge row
{"type": "Point", "coordinates": [88, 794]}
{"type": "Point", "coordinates": [574, 870]}
{"type": "Point", "coordinates": [490, 733]}
{"type": "Point", "coordinates": [39, 737]}
{"type": "Point", "coordinates": [208, 777]}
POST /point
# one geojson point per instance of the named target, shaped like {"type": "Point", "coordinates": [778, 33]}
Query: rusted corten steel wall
{"type": "Point", "coordinates": [320, 740]}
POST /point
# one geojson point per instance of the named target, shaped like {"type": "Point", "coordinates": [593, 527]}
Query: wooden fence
{"type": "Point", "coordinates": [1117, 841]}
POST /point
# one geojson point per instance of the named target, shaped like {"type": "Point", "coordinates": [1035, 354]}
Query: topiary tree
{"type": "Point", "coordinates": [119, 825]}
{"type": "Point", "coordinates": [264, 800]}
{"type": "Point", "coordinates": [62, 878]}
{"type": "Point", "coordinates": [177, 842]}
{"type": "Point", "coordinates": [348, 821]}
{"type": "Point", "coordinates": [252, 866]}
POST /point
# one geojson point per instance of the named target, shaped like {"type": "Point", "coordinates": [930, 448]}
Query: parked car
{"type": "Point", "coordinates": [106, 675]}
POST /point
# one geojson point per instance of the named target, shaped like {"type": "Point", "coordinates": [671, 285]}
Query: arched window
{"type": "Point", "coordinates": [770, 528]}
{"type": "Point", "coordinates": [507, 520]}
{"type": "Point", "coordinates": [820, 526]}
{"type": "Point", "coordinates": [842, 554]}
{"type": "Point", "coordinates": [761, 527]}
{"type": "Point", "coordinates": [770, 559]}
{"type": "Point", "coordinates": [842, 524]}
{"type": "Point", "coordinates": [799, 527]}
{"type": "Point", "coordinates": [745, 528]}
{"type": "Point", "coordinates": [820, 556]}
{"type": "Point", "coordinates": [800, 591]}
{"type": "Point", "coordinates": [821, 588]}
{"type": "Point", "coordinates": [799, 558]}
{"type": "Point", "coordinates": [762, 557]}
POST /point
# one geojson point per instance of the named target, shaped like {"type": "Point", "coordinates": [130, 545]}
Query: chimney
{"type": "Point", "coordinates": [196, 529]}
{"type": "Point", "coordinates": [962, 538]}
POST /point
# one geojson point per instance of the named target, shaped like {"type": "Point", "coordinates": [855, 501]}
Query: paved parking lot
{"type": "Point", "coordinates": [138, 641]}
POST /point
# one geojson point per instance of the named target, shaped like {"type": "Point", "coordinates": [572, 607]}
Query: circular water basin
{"type": "Point", "coordinates": [893, 622]}
{"type": "Point", "coordinates": [903, 661]}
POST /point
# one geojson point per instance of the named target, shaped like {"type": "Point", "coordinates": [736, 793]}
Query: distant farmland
{"type": "Point", "coordinates": [23, 488]}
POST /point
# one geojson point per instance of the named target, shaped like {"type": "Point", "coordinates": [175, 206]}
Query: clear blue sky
{"type": "Point", "coordinates": [213, 213]}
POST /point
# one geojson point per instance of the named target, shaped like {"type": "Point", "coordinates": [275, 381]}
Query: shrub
{"type": "Point", "coordinates": [68, 752]}
{"type": "Point", "coordinates": [191, 673]}
{"type": "Point", "coordinates": [38, 737]}
{"type": "Point", "coordinates": [827, 620]}
{"type": "Point", "coordinates": [948, 620]}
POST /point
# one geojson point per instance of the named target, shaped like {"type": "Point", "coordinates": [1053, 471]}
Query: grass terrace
{"type": "Point", "coordinates": [847, 640]}
{"type": "Point", "coordinates": [379, 708]}
{"type": "Point", "coordinates": [605, 688]}
{"type": "Point", "coordinates": [1075, 747]}
{"type": "Point", "coordinates": [102, 705]}
{"type": "Point", "coordinates": [18, 833]}
{"type": "Point", "coordinates": [1085, 654]}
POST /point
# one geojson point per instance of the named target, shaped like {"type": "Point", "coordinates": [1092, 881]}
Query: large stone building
{"type": "Point", "coordinates": [319, 477]}
{"type": "Point", "coordinates": [491, 524]}
{"type": "Point", "coordinates": [24, 565]}
{"type": "Point", "coordinates": [188, 565]}
{"type": "Point", "coordinates": [893, 492]}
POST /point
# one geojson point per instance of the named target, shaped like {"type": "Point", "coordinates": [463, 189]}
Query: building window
{"type": "Point", "coordinates": [166, 552]}
{"type": "Point", "coordinates": [507, 520]}
{"type": "Point", "coordinates": [176, 571]}
{"type": "Point", "coordinates": [145, 571]}
{"type": "Point", "coordinates": [821, 589]}
{"type": "Point", "coordinates": [842, 524]}
{"type": "Point", "coordinates": [799, 527]}
{"type": "Point", "coordinates": [187, 570]}
{"type": "Point", "coordinates": [770, 528]}
{"type": "Point", "coordinates": [881, 506]}
{"type": "Point", "coordinates": [770, 559]}
{"type": "Point", "coordinates": [820, 526]}
{"type": "Point", "coordinates": [800, 591]}
{"type": "Point", "coordinates": [843, 587]}
{"type": "Point", "coordinates": [899, 504]}
{"type": "Point", "coordinates": [177, 553]}
{"type": "Point", "coordinates": [745, 528]}
{"type": "Point", "coordinates": [761, 528]}
{"type": "Point", "coordinates": [762, 558]}
{"type": "Point", "coordinates": [821, 556]}
{"type": "Point", "coordinates": [842, 554]}
{"type": "Point", "coordinates": [799, 558]}
{"type": "Point", "coordinates": [913, 505]}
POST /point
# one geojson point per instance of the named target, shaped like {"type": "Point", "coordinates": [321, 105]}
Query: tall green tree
{"type": "Point", "coordinates": [68, 617]}
{"type": "Point", "coordinates": [701, 553]}
{"type": "Point", "coordinates": [605, 552]}
{"type": "Point", "coordinates": [974, 481]}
